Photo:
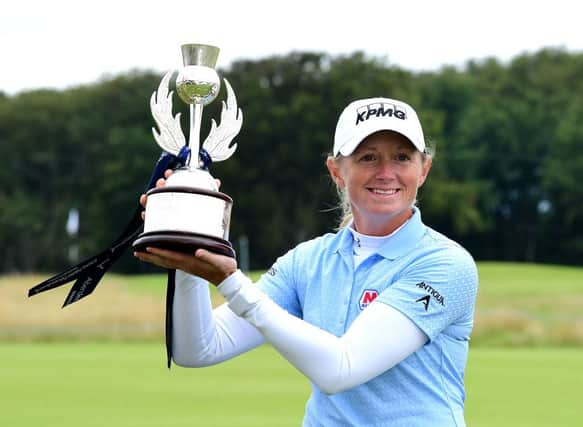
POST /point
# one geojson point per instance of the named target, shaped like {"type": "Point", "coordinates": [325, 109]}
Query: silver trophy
{"type": "Point", "coordinates": [189, 212]}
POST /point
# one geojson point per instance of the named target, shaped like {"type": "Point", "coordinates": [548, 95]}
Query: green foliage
{"type": "Point", "coordinates": [504, 180]}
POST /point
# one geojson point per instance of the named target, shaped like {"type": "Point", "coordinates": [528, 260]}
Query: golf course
{"type": "Point", "coordinates": [101, 362]}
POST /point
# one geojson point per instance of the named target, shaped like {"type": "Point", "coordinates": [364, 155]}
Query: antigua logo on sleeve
{"type": "Point", "coordinates": [431, 293]}
{"type": "Point", "coordinates": [424, 300]}
{"type": "Point", "coordinates": [273, 270]}
{"type": "Point", "coordinates": [368, 296]}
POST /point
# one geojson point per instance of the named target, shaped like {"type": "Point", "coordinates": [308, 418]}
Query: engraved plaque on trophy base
{"type": "Point", "coordinates": [185, 219]}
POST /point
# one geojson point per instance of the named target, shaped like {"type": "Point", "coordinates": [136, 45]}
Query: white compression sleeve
{"type": "Point", "coordinates": [376, 341]}
{"type": "Point", "coordinates": [203, 336]}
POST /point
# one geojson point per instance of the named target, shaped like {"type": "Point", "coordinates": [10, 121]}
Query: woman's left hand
{"type": "Point", "coordinates": [210, 266]}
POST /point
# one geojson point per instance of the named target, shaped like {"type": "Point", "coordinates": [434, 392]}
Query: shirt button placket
{"type": "Point", "coordinates": [344, 312]}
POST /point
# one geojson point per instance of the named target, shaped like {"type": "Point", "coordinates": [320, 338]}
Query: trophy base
{"type": "Point", "coordinates": [183, 242]}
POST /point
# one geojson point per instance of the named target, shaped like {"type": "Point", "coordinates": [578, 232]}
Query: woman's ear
{"type": "Point", "coordinates": [425, 168]}
{"type": "Point", "coordinates": [334, 169]}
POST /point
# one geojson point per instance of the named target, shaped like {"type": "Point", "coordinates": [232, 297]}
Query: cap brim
{"type": "Point", "coordinates": [348, 148]}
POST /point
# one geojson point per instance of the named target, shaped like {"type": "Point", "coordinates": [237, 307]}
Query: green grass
{"type": "Point", "coordinates": [115, 383]}
{"type": "Point", "coordinates": [155, 284]}
{"type": "Point", "coordinates": [524, 387]}
{"type": "Point", "coordinates": [126, 384]}
{"type": "Point", "coordinates": [511, 281]}
{"type": "Point", "coordinates": [529, 304]}
{"type": "Point", "coordinates": [518, 305]}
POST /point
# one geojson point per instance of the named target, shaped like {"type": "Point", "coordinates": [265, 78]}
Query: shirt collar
{"type": "Point", "coordinates": [400, 243]}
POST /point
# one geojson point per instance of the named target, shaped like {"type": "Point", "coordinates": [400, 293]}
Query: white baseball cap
{"type": "Point", "coordinates": [364, 117]}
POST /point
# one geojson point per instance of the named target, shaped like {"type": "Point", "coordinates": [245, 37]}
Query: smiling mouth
{"type": "Point", "coordinates": [384, 192]}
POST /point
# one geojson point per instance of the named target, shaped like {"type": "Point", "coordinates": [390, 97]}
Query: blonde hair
{"type": "Point", "coordinates": [343, 199]}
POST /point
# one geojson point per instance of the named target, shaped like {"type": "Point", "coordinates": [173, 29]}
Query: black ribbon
{"type": "Point", "coordinates": [170, 288]}
{"type": "Point", "coordinates": [88, 273]}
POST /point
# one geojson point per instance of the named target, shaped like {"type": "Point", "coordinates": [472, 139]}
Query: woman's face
{"type": "Point", "coordinates": [381, 178]}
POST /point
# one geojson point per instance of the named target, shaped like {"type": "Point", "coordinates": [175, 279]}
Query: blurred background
{"type": "Point", "coordinates": [498, 87]}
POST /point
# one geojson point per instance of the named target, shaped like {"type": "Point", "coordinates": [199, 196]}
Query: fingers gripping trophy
{"type": "Point", "coordinates": [189, 212]}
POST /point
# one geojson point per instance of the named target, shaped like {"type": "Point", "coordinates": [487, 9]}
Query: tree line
{"type": "Point", "coordinates": [506, 178]}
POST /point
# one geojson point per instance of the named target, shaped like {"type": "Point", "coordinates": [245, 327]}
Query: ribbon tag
{"type": "Point", "coordinates": [88, 273]}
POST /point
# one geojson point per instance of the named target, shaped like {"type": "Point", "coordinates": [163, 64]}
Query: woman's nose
{"type": "Point", "coordinates": [386, 170]}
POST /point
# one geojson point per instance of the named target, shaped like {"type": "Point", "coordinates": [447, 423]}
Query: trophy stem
{"type": "Point", "coordinates": [194, 137]}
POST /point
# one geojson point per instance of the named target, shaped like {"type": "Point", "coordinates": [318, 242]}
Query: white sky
{"type": "Point", "coordinates": [60, 43]}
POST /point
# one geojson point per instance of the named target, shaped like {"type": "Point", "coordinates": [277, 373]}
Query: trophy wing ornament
{"type": "Point", "coordinates": [170, 136]}
{"type": "Point", "coordinates": [190, 212]}
{"type": "Point", "coordinates": [218, 141]}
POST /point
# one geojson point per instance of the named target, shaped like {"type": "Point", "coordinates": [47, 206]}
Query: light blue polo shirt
{"type": "Point", "coordinates": [429, 278]}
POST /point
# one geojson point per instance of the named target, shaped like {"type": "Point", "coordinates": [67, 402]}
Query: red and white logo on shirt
{"type": "Point", "coordinates": [368, 296]}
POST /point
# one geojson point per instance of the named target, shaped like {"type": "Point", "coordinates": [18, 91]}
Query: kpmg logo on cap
{"type": "Point", "coordinates": [379, 109]}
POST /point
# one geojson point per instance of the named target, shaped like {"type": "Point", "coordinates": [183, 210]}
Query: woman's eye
{"type": "Point", "coordinates": [368, 158]}
{"type": "Point", "coordinates": [402, 157]}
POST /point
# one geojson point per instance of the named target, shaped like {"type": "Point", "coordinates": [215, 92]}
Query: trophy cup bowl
{"type": "Point", "coordinates": [189, 212]}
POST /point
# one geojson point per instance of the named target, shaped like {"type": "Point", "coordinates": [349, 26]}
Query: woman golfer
{"type": "Point", "coordinates": [377, 315]}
